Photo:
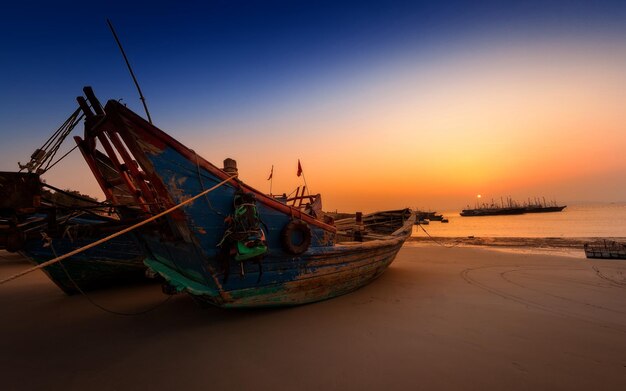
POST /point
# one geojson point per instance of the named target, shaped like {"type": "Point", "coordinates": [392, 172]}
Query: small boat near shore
{"type": "Point", "coordinates": [236, 246]}
{"type": "Point", "coordinates": [605, 249]}
{"type": "Point", "coordinates": [424, 218]}
{"type": "Point", "coordinates": [432, 216]}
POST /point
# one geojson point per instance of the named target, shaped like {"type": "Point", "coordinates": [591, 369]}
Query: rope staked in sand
{"type": "Point", "coordinates": [94, 244]}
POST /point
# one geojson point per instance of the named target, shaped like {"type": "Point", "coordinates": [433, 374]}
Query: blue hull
{"type": "Point", "coordinates": [118, 261]}
{"type": "Point", "coordinates": [321, 273]}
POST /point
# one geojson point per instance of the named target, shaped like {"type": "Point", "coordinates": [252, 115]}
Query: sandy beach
{"type": "Point", "coordinates": [438, 318]}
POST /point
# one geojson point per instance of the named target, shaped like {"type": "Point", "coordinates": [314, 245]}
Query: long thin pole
{"type": "Point", "coordinates": [301, 172]}
{"type": "Point", "coordinates": [271, 178]}
{"type": "Point", "coordinates": [305, 185]}
{"type": "Point", "coordinates": [132, 74]}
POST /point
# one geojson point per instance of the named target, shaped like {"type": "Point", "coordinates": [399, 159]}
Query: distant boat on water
{"type": "Point", "coordinates": [511, 207]}
{"type": "Point", "coordinates": [426, 217]}
{"type": "Point", "coordinates": [544, 209]}
{"type": "Point", "coordinates": [492, 211]}
{"type": "Point", "coordinates": [538, 207]}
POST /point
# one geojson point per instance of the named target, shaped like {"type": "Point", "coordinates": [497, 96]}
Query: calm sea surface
{"type": "Point", "coordinates": [583, 220]}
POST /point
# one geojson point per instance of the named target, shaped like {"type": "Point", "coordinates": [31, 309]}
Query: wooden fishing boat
{"type": "Point", "coordinates": [430, 216]}
{"type": "Point", "coordinates": [40, 230]}
{"type": "Point", "coordinates": [234, 247]}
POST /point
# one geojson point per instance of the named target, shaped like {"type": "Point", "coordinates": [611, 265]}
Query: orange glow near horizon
{"type": "Point", "coordinates": [522, 121]}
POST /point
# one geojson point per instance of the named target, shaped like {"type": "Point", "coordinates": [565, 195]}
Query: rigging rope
{"type": "Point", "coordinates": [72, 195]}
{"type": "Point", "coordinates": [94, 244]}
{"type": "Point", "coordinates": [47, 152]}
{"type": "Point", "coordinates": [61, 158]}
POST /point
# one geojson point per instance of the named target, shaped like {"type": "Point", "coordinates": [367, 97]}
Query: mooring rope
{"type": "Point", "coordinates": [99, 306]}
{"type": "Point", "coordinates": [112, 236]}
{"type": "Point", "coordinates": [438, 242]}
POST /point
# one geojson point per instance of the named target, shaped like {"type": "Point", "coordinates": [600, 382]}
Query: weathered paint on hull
{"type": "Point", "coordinates": [314, 287]}
{"type": "Point", "coordinates": [91, 274]}
{"type": "Point", "coordinates": [320, 273]}
{"type": "Point", "coordinates": [116, 262]}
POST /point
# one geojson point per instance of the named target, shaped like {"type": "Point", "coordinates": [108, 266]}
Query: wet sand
{"type": "Point", "coordinates": [568, 246]}
{"type": "Point", "coordinates": [457, 318]}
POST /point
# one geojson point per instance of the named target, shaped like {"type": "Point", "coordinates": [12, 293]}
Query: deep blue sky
{"type": "Point", "coordinates": [231, 53]}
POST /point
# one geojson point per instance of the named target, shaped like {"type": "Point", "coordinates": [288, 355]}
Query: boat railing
{"type": "Point", "coordinates": [300, 199]}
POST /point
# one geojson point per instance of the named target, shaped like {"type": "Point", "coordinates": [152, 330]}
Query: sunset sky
{"type": "Point", "coordinates": [386, 104]}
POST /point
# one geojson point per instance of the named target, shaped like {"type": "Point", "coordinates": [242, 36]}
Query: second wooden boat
{"type": "Point", "coordinates": [40, 231]}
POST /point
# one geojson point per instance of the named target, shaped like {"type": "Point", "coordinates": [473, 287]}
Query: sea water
{"type": "Point", "coordinates": [576, 221]}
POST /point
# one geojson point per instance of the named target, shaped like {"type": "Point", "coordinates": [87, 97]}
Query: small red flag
{"type": "Point", "coordinates": [271, 173]}
{"type": "Point", "coordinates": [299, 168]}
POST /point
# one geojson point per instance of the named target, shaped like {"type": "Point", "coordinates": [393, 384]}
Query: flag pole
{"type": "Point", "coordinates": [271, 178]}
{"type": "Point", "coordinates": [305, 185]}
{"type": "Point", "coordinates": [301, 172]}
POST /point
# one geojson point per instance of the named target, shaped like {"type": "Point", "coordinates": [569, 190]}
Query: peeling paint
{"type": "Point", "coordinates": [177, 193]}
